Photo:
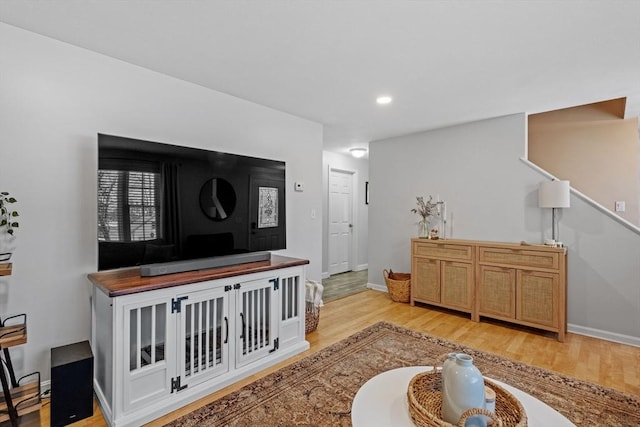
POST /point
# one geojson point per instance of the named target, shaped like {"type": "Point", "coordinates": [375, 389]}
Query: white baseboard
{"type": "Point", "coordinates": [604, 335]}
{"type": "Point", "coordinates": [376, 287]}
{"type": "Point", "coordinates": [326, 275]}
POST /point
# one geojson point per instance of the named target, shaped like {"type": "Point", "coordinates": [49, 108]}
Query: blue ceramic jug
{"type": "Point", "coordinates": [463, 388]}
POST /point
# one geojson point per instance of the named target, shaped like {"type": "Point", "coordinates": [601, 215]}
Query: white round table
{"type": "Point", "coordinates": [382, 402]}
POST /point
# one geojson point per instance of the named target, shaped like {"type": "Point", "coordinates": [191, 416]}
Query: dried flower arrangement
{"type": "Point", "coordinates": [424, 209]}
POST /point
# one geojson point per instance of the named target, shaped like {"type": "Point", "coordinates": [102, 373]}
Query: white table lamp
{"type": "Point", "coordinates": [554, 194]}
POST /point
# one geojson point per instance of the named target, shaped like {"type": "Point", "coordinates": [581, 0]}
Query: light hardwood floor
{"type": "Point", "coordinates": [609, 364]}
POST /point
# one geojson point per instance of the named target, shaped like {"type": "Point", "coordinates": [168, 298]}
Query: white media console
{"type": "Point", "coordinates": [162, 342]}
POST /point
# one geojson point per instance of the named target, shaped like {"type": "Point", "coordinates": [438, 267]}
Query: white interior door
{"type": "Point", "coordinates": [340, 221]}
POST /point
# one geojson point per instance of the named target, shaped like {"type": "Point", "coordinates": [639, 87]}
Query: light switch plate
{"type": "Point", "coordinates": [620, 206]}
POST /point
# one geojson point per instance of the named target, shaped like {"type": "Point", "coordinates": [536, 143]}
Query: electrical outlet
{"type": "Point", "coordinates": [620, 206]}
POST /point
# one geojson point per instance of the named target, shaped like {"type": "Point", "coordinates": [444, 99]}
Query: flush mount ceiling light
{"type": "Point", "coordinates": [358, 152]}
{"type": "Point", "coordinates": [383, 100]}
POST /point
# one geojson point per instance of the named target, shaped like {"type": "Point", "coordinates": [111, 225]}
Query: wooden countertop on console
{"type": "Point", "coordinates": [521, 245]}
{"type": "Point", "coordinates": [128, 281]}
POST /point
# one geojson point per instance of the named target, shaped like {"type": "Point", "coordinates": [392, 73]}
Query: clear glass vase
{"type": "Point", "coordinates": [423, 229]}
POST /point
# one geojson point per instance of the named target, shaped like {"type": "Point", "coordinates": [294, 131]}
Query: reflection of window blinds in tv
{"type": "Point", "coordinates": [128, 205]}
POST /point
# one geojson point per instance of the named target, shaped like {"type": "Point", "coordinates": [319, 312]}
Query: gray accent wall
{"type": "Point", "coordinates": [492, 195]}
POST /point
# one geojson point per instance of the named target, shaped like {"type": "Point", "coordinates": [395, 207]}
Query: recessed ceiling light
{"type": "Point", "coordinates": [383, 100]}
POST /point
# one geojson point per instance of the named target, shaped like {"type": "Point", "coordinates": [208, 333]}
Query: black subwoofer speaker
{"type": "Point", "coordinates": [71, 383]}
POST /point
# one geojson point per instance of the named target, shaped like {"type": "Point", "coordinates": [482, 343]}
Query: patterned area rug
{"type": "Point", "coordinates": [318, 390]}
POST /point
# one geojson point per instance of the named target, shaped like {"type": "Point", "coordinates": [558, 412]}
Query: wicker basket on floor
{"type": "Point", "coordinates": [399, 285]}
{"type": "Point", "coordinates": [311, 317]}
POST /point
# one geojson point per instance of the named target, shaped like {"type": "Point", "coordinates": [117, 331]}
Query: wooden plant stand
{"type": "Point", "coordinates": [18, 397]}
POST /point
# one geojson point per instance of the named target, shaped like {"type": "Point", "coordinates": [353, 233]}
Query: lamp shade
{"type": "Point", "coordinates": [554, 194]}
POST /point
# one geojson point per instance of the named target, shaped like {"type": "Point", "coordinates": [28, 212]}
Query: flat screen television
{"type": "Point", "coordinates": [167, 204]}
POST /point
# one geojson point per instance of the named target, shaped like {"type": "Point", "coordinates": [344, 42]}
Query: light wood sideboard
{"type": "Point", "coordinates": [517, 283]}
{"type": "Point", "coordinates": [442, 274]}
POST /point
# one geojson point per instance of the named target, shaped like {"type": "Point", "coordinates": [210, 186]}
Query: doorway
{"type": "Point", "coordinates": [344, 284]}
{"type": "Point", "coordinates": [341, 224]}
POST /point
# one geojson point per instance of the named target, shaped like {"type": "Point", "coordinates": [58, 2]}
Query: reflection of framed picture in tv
{"type": "Point", "coordinates": [366, 193]}
{"type": "Point", "coordinates": [268, 207]}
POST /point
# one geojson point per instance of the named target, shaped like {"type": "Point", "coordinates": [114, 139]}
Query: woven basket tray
{"type": "Point", "coordinates": [425, 403]}
{"type": "Point", "coordinates": [399, 285]}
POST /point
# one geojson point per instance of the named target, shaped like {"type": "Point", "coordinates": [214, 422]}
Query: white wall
{"type": "Point", "coordinates": [360, 168]}
{"type": "Point", "coordinates": [475, 167]}
{"type": "Point", "coordinates": [54, 99]}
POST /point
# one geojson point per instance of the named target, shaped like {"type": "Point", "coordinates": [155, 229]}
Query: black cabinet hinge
{"type": "Point", "coordinates": [276, 283]}
{"type": "Point", "coordinates": [276, 345]}
{"type": "Point", "coordinates": [175, 385]}
{"type": "Point", "coordinates": [236, 286]}
{"type": "Point", "coordinates": [227, 288]}
{"type": "Point", "coordinates": [176, 304]}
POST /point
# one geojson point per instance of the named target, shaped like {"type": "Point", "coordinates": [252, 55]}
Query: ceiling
{"type": "Point", "coordinates": [443, 62]}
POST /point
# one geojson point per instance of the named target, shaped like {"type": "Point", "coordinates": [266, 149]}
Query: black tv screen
{"type": "Point", "coordinates": [159, 203]}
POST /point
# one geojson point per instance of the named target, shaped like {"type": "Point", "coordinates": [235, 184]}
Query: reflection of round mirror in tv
{"type": "Point", "coordinates": [217, 199]}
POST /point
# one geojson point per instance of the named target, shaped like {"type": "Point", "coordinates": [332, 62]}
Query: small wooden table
{"type": "Point", "coordinates": [382, 401]}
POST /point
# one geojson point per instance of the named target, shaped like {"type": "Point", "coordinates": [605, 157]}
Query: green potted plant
{"type": "Point", "coordinates": [8, 222]}
{"type": "Point", "coordinates": [7, 213]}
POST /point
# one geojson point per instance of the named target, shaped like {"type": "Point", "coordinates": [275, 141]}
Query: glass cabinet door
{"type": "Point", "coordinates": [148, 359]}
{"type": "Point", "coordinates": [203, 336]}
{"type": "Point", "coordinates": [256, 317]}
